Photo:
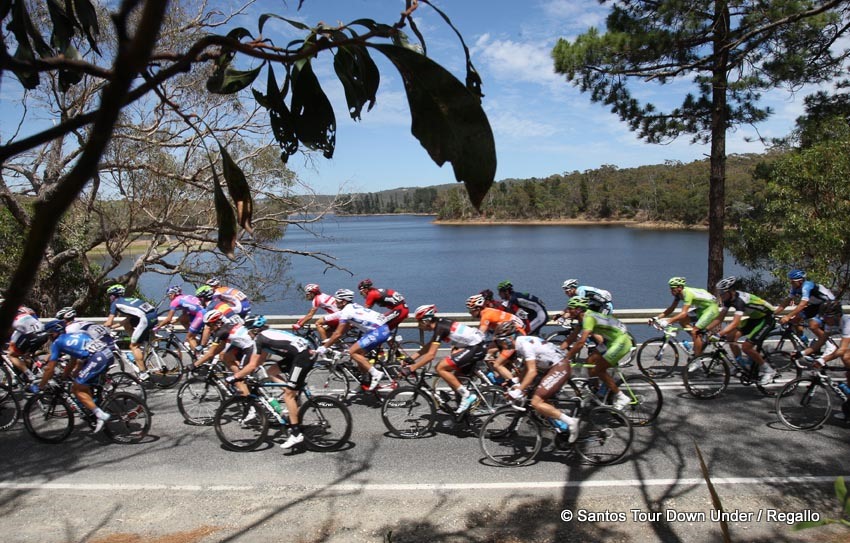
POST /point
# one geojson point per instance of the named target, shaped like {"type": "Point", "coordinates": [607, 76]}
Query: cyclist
{"type": "Point", "coordinates": [536, 356]}
{"type": "Point", "coordinates": [191, 313]}
{"type": "Point", "coordinates": [370, 323]}
{"type": "Point", "coordinates": [90, 358]}
{"type": "Point", "coordinates": [387, 298]}
{"type": "Point", "coordinates": [296, 360]}
{"type": "Point", "coordinates": [832, 315]}
{"type": "Point", "coordinates": [468, 347]}
{"type": "Point", "coordinates": [319, 300]}
{"type": "Point", "coordinates": [599, 300]}
{"type": "Point", "coordinates": [702, 302]}
{"type": "Point", "coordinates": [810, 295]}
{"type": "Point", "coordinates": [489, 301]}
{"type": "Point", "coordinates": [234, 297]}
{"type": "Point", "coordinates": [749, 331]}
{"type": "Point", "coordinates": [616, 341]}
{"type": "Point", "coordinates": [140, 320]}
{"type": "Point", "coordinates": [489, 319]}
{"type": "Point", "coordinates": [535, 311]}
{"type": "Point", "coordinates": [206, 295]}
{"type": "Point", "coordinates": [95, 331]}
{"type": "Point", "coordinates": [230, 340]}
{"type": "Point", "coordinates": [27, 337]}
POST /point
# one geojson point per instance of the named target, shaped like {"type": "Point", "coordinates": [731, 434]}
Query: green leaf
{"type": "Point", "coordinates": [280, 118]}
{"type": "Point", "coordinates": [63, 26]}
{"type": "Point", "coordinates": [359, 77]}
{"type": "Point", "coordinates": [87, 18]}
{"type": "Point", "coordinates": [226, 219]}
{"type": "Point", "coordinates": [69, 78]}
{"type": "Point", "coordinates": [226, 80]}
{"type": "Point", "coordinates": [841, 494]}
{"type": "Point", "coordinates": [240, 191]}
{"type": "Point", "coordinates": [447, 119]}
{"type": "Point", "coordinates": [28, 78]}
{"type": "Point", "coordinates": [266, 16]}
{"type": "Point", "coordinates": [811, 524]}
{"type": "Point", "coordinates": [315, 123]}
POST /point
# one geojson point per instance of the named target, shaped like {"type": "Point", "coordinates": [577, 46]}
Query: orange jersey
{"type": "Point", "coordinates": [491, 318]}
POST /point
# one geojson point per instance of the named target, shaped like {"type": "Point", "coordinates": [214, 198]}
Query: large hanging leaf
{"type": "Point", "coordinates": [227, 80]}
{"type": "Point", "coordinates": [359, 77]}
{"type": "Point", "coordinates": [315, 123]}
{"type": "Point", "coordinates": [226, 219]}
{"type": "Point", "coordinates": [27, 78]}
{"type": "Point", "coordinates": [68, 78]}
{"type": "Point", "coordinates": [63, 26]}
{"type": "Point", "coordinates": [266, 16]}
{"type": "Point", "coordinates": [280, 118]}
{"type": "Point", "coordinates": [87, 19]}
{"type": "Point", "coordinates": [239, 190]}
{"type": "Point", "coordinates": [447, 119]}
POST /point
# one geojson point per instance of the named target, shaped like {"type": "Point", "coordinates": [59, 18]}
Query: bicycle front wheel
{"type": "Point", "coordinates": [10, 408]}
{"type": "Point", "coordinates": [408, 413]}
{"type": "Point", "coordinates": [804, 404]}
{"type": "Point", "coordinates": [510, 437]}
{"type": "Point", "coordinates": [165, 366]}
{"type": "Point", "coordinates": [48, 417]}
{"type": "Point", "coordinates": [129, 421]}
{"type": "Point", "coordinates": [779, 349]}
{"type": "Point", "coordinates": [706, 376]}
{"type": "Point", "coordinates": [646, 399]}
{"type": "Point", "coordinates": [605, 436]}
{"type": "Point", "coordinates": [325, 423]}
{"type": "Point", "coordinates": [198, 401]}
{"type": "Point", "coordinates": [326, 380]}
{"type": "Point", "coordinates": [657, 357]}
{"type": "Point", "coordinates": [121, 381]}
{"type": "Point", "coordinates": [241, 423]}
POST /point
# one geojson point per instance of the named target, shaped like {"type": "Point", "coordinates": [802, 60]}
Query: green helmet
{"type": "Point", "coordinates": [577, 302]}
{"type": "Point", "coordinates": [505, 285]}
{"type": "Point", "coordinates": [677, 282]}
{"type": "Point", "coordinates": [205, 292]}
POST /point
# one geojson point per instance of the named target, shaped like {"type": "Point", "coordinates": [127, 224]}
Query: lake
{"type": "Point", "coordinates": [444, 264]}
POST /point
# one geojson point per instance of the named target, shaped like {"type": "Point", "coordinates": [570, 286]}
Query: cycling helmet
{"type": "Point", "coordinates": [726, 284]}
{"type": "Point", "coordinates": [831, 308]}
{"type": "Point", "coordinates": [344, 295]}
{"type": "Point", "coordinates": [425, 312]}
{"type": "Point", "coordinates": [796, 275]}
{"type": "Point", "coordinates": [577, 302]}
{"type": "Point", "coordinates": [213, 316]}
{"type": "Point", "coordinates": [476, 301]}
{"type": "Point", "coordinates": [174, 291]}
{"type": "Point", "coordinates": [366, 283]}
{"type": "Point", "coordinates": [66, 313]}
{"type": "Point", "coordinates": [214, 282]}
{"type": "Point", "coordinates": [255, 322]}
{"type": "Point", "coordinates": [505, 285]}
{"type": "Point", "coordinates": [312, 288]}
{"type": "Point", "coordinates": [487, 293]}
{"type": "Point", "coordinates": [570, 283]}
{"type": "Point", "coordinates": [205, 292]}
{"type": "Point", "coordinates": [116, 290]}
{"type": "Point", "coordinates": [676, 282]}
{"type": "Point", "coordinates": [55, 326]}
{"type": "Point", "coordinates": [505, 329]}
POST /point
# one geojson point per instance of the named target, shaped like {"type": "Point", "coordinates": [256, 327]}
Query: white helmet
{"type": "Point", "coordinates": [344, 295]}
{"type": "Point", "coordinates": [570, 283]}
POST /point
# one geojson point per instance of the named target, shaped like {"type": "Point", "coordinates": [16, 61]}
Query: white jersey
{"type": "Point", "coordinates": [533, 348]}
{"type": "Point", "coordinates": [25, 323]}
{"type": "Point", "coordinates": [326, 302]}
{"type": "Point", "coordinates": [364, 320]}
{"type": "Point", "coordinates": [845, 326]}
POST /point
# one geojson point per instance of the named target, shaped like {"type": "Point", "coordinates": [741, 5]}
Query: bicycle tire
{"type": "Point", "coordinates": [7, 380]}
{"type": "Point", "coordinates": [646, 399]}
{"type": "Point", "coordinates": [804, 404]}
{"type": "Point", "coordinates": [198, 401]}
{"type": "Point", "coordinates": [605, 436]}
{"type": "Point", "coordinates": [122, 381]}
{"type": "Point", "coordinates": [706, 376]}
{"type": "Point", "coordinates": [130, 419]}
{"type": "Point", "coordinates": [165, 366]}
{"type": "Point", "coordinates": [779, 348]}
{"type": "Point", "coordinates": [10, 408]}
{"type": "Point", "coordinates": [510, 438]}
{"type": "Point", "coordinates": [236, 435]}
{"type": "Point", "coordinates": [399, 357]}
{"type": "Point", "coordinates": [325, 380]}
{"type": "Point", "coordinates": [657, 357]}
{"type": "Point", "coordinates": [325, 423]}
{"type": "Point", "coordinates": [773, 388]}
{"type": "Point", "coordinates": [48, 417]}
{"type": "Point", "coordinates": [409, 413]}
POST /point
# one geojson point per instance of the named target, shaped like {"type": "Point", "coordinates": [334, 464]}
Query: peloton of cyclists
{"type": "Point", "coordinates": [191, 314]}
{"type": "Point", "coordinates": [700, 301]}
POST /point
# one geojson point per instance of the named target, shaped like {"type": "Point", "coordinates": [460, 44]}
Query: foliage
{"type": "Point", "coordinates": [843, 503]}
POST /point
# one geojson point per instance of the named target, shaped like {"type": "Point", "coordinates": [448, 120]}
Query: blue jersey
{"type": "Point", "coordinates": [133, 307]}
{"type": "Point", "coordinates": [812, 292]}
{"type": "Point", "coordinates": [76, 345]}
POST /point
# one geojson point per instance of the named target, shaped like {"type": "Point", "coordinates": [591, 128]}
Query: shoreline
{"type": "Point", "coordinates": [628, 223]}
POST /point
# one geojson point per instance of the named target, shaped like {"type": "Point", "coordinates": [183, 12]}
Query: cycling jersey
{"type": "Point", "coordinates": [77, 345]}
{"type": "Point", "coordinates": [358, 317]}
{"type": "Point", "coordinates": [326, 302]}
{"type": "Point", "coordinates": [27, 334]}
{"type": "Point", "coordinates": [237, 299]}
{"type": "Point", "coordinates": [280, 340]}
{"type": "Point", "coordinates": [226, 310]}
{"type": "Point", "coordinates": [618, 343]}
{"type": "Point", "coordinates": [133, 307]}
{"type": "Point", "coordinates": [545, 354]}
{"type": "Point", "coordinates": [533, 307]}
{"type": "Point", "coordinates": [390, 299]}
{"type": "Point", "coordinates": [702, 302]}
{"type": "Point", "coordinates": [844, 326]}
{"type": "Point", "coordinates": [459, 335]}
{"type": "Point", "coordinates": [237, 338]}
{"type": "Point", "coordinates": [94, 331]}
{"type": "Point", "coordinates": [491, 318]}
{"type": "Point", "coordinates": [749, 305]}
{"type": "Point", "coordinates": [811, 292]}
{"type": "Point", "coordinates": [26, 323]}
{"type": "Point", "coordinates": [192, 308]}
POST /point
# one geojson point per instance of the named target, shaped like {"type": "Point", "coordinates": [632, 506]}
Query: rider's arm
{"type": "Point", "coordinates": [733, 325]}
{"type": "Point", "coordinates": [253, 363]}
{"type": "Point", "coordinates": [210, 353]}
{"type": "Point", "coordinates": [167, 320]}
{"type": "Point", "coordinates": [529, 374]}
{"type": "Point", "coordinates": [424, 357]}
{"type": "Point", "coordinates": [681, 316]}
{"type": "Point", "coordinates": [340, 330]}
{"type": "Point", "coordinates": [306, 318]}
{"type": "Point", "coordinates": [669, 309]}
{"type": "Point", "coordinates": [796, 311]}
{"type": "Point", "coordinates": [577, 345]}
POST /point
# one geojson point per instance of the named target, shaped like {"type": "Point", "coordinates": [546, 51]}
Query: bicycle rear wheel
{"type": "Point", "coordinates": [408, 413]}
{"type": "Point", "coordinates": [325, 423]}
{"type": "Point", "coordinates": [605, 436]}
{"type": "Point", "coordinates": [198, 401]}
{"type": "Point", "coordinates": [130, 420]}
{"type": "Point", "coordinates": [48, 417]}
{"type": "Point", "coordinates": [510, 437]}
{"type": "Point", "coordinates": [779, 348]}
{"type": "Point", "coordinates": [804, 404]}
{"type": "Point", "coordinates": [325, 380]}
{"type": "Point", "coordinates": [706, 376]}
{"type": "Point", "coordinates": [241, 423]}
{"type": "Point", "coordinates": [646, 399]}
{"type": "Point", "coordinates": [7, 380]}
{"type": "Point", "coordinates": [657, 357]}
{"type": "Point", "coordinates": [165, 366]}
{"type": "Point", "coordinates": [10, 408]}
{"type": "Point", "coordinates": [121, 381]}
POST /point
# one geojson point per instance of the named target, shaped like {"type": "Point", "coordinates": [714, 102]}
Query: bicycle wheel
{"type": "Point", "coordinates": [706, 376]}
{"type": "Point", "coordinates": [10, 408]}
{"type": "Point", "coordinates": [165, 366]}
{"type": "Point", "coordinates": [7, 380]}
{"type": "Point", "coordinates": [198, 401]}
{"type": "Point", "coordinates": [325, 423]}
{"type": "Point", "coordinates": [605, 436]}
{"type": "Point", "coordinates": [510, 438]}
{"type": "Point", "coordinates": [779, 381]}
{"type": "Point", "coordinates": [121, 381]}
{"type": "Point", "coordinates": [399, 357]}
{"type": "Point", "coordinates": [48, 417]}
{"type": "Point", "coordinates": [646, 399]}
{"type": "Point", "coordinates": [657, 357]}
{"type": "Point", "coordinates": [325, 380]}
{"type": "Point", "coordinates": [778, 349]}
{"type": "Point", "coordinates": [408, 412]}
{"type": "Point", "coordinates": [130, 420]}
{"type": "Point", "coordinates": [241, 423]}
{"type": "Point", "coordinates": [804, 404]}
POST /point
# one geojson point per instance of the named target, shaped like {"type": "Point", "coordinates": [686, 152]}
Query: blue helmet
{"type": "Point", "coordinates": [796, 274]}
{"type": "Point", "coordinates": [255, 322]}
{"type": "Point", "coordinates": [56, 325]}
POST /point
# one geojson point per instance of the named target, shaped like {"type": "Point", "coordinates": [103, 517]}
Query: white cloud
{"type": "Point", "coordinates": [509, 125]}
{"type": "Point", "coordinates": [528, 62]}
{"type": "Point", "coordinates": [580, 14]}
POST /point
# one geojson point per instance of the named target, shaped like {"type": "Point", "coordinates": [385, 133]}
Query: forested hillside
{"type": "Point", "coordinates": [674, 192]}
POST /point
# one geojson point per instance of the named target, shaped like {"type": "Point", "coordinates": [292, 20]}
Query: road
{"type": "Point", "coordinates": [180, 485]}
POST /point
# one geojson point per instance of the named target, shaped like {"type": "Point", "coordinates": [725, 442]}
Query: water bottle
{"type": "Point", "coordinates": [130, 356]}
{"type": "Point", "coordinates": [495, 379]}
{"type": "Point", "coordinates": [688, 345]}
{"type": "Point", "coordinates": [844, 388]}
{"type": "Point", "coordinates": [744, 362]}
{"type": "Point", "coordinates": [603, 390]}
{"type": "Point", "coordinates": [276, 405]}
{"type": "Point", "coordinates": [560, 426]}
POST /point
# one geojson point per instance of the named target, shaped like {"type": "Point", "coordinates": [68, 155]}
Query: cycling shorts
{"type": "Point", "coordinates": [465, 359]}
{"type": "Point", "coordinates": [93, 367]}
{"type": "Point", "coordinates": [299, 365]}
{"type": "Point", "coordinates": [141, 329]}
{"type": "Point", "coordinates": [616, 350]}
{"type": "Point", "coordinates": [553, 381]}
{"type": "Point", "coordinates": [755, 330]}
{"type": "Point", "coordinates": [197, 323]}
{"type": "Point", "coordinates": [396, 316]}
{"type": "Point", "coordinates": [706, 317]}
{"type": "Point", "coordinates": [374, 338]}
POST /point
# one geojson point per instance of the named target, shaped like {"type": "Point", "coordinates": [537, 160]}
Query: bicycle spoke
{"type": "Point", "coordinates": [510, 438]}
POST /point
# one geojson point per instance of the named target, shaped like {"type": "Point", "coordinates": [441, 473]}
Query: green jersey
{"type": "Point", "coordinates": [697, 298]}
{"type": "Point", "coordinates": [605, 325]}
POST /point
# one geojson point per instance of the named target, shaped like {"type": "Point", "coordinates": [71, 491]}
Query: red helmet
{"type": "Point", "coordinates": [428, 311]}
{"type": "Point", "coordinates": [366, 283]}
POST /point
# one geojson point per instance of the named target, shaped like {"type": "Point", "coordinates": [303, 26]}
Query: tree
{"type": "Point", "coordinates": [447, 117]}
{"type": "Point", "coordinates": [732, 49]}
